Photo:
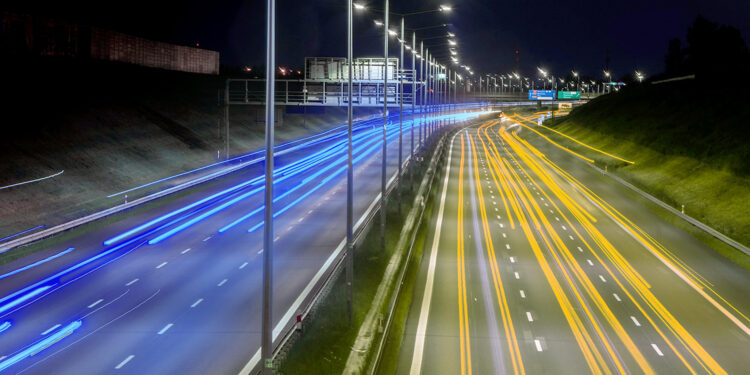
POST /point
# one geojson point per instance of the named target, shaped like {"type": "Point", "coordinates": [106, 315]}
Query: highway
{"type": "Point", "coordinates": [537, 263]}
{"type": "Point", "coordinates": [176, 287]}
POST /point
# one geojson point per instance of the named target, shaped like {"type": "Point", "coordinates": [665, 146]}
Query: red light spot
{"type": "Point", "coordinates": [197, 44]}
{"type": "Point", "coordinates": [516, 52]}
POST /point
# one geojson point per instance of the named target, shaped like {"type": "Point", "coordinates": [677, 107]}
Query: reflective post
{"type": "Point", "coordinates": [400, 116]}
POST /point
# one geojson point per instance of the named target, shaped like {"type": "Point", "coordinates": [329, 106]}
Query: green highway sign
{"type": "Point", "coordinates": [569, 95]}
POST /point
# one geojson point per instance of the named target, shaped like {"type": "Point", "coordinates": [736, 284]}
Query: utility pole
{"type": "Point", "coordinates": [385, 125]}
{"type": "Point", "coordinates": [267, 320]}
{"type": "Point", "coordinates": [350, 177]}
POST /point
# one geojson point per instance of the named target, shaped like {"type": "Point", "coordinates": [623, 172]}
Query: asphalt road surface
{"type": "Point", "coordinates": [538, 264]}
{"type": "Point", "coordinates": [176, 288]}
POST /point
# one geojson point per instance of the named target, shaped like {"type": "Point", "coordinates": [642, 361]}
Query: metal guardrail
{"type": "Point", "coordinates": [114, 210]}
{"type": "Point", "coordinates": [713, 232]}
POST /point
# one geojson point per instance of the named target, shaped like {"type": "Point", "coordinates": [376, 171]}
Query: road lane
{"type": "Point", "coordinates": [144, 315]}
{"type": "Point", "coordinates": [588, 289]}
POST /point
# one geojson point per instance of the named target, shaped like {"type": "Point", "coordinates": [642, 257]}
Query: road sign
{"type": "Point", "coordinates": [541, 94]}
{"type": "Point", "coordinates": [569, 95]}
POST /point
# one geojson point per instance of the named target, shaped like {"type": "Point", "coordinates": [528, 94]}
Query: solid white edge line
{"type": "Point", "coordinates": [250, 365]}
{"type": "Point", "coordinates": [132, 282]}
{"type": "Point", "coordinates": [416, 362]}
{"type": "Point", "coordinates": [196, 303]}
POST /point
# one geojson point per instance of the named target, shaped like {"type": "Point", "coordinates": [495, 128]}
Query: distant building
{"type": "Point", "coordinates": [26, 35]}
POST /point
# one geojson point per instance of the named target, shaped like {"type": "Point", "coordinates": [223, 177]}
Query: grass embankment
{"type": "Point", "coordinates": [112, 127]}
{"type": "Point", "coordinates": [690, 147]}
{"type": "Point", "coordinates": [326, 343]}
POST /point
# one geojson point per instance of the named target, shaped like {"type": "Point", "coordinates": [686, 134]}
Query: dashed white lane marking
{"type": "Point", "coordinates": [132, 282]}
{"type": "Point", "coordinates": [516, 275]}
{"type": "Point", "coordinates": [309, 212]}
{"type": "Point", "coordinates": [260, 251]}
{"type": "Point", "coordinates": [546, 205]}
{"type": "Point", "coordinates": [161, 265]}
{"type": "Point", "coordinates": [504, 236]}
{"type": "Point", "coordinates": [637, 323]}
{"type": "Point", "coordinates": [124, 362]}
{"type": "Point", "coordinates": [538, 345]}
{"type": "Point", "coordinates": [498, 217]}
{"type": "Point", "coordinates": [656, 349]}
{"type": "Point", "coordinates": [590, 262]}
{"type": "Point", "coordinates": [95, 303]}
{"type": "Point", "coordinates": [243, 265]}
{"type": "Point", "coordinates": [571, 238]}
{"type": "Point", "coordinates": [493, 202]}
{"type": "Point", "coordinates": [523, 294]}
{"type": "Point", "coordinates": [185, 251]}
{"type": "Point", "coordinates": [507, 246]}
{"type": "Point", "coordinates": [166, 327]}
{"type": "Point", "coordinates": [617, 297]}
{"type": "Point", "coordinates": [289, 228]}
{"type": "Point", "coordinates": [222, 282]}
{"type": "Point", "coordinates": [50, 329]}
{"type": "Point", "coordinates": [528, 316]}
{"type": "Point", "coordinates": [501, 225]}
{"type": "Point", "coordinates": [207, 238]}
{"type": "Point", "coordinates": [563, 227]}
{"type": "Point", "coordinates": [579, 249]}
{"type": "Point", "coordinates": [300, 219]}
{"type": "Point", "coordinates": [492, 196]}
{"type": "Point", "coordinates": [495, 208]}
{"type": "Point", "coordinates": [196, 303]}
{"type": "Point", "coordinates": [552, 212]}
{"type": "Point", "coordinates": [603, 279]}
{"type": "Point", "coordinates": [276, 239]}
{"type": "Point", "coordinates": [512, 259]}
{"type": "Point", "coordinates": [537, 193]}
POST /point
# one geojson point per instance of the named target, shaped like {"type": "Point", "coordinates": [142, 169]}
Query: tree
{"type": "Point", "coordinates": [715, 51]}
{"type": "Point", "coordinates": [674, 59]}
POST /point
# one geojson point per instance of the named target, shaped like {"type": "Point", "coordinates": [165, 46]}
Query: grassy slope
{"type": "Point", "coordinates": [689, 147]}
{"type": "Point", "coordinates": [113, 127]}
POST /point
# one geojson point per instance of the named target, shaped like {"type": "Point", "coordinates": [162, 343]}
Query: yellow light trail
{"type": "Point", "coordinates": [462, 305]}
{"type": "Point", "coordinates": [582, 144]}
{"type": "Point", "coordinates": [510, 333]}
{"type": "Point", "coordinates": [590, 352]}
{"type": "Point", "coordinates": [641, 288]}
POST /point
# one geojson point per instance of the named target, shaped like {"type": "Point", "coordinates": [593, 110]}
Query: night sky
{"type": "Point", "coordinates": [556, 34]}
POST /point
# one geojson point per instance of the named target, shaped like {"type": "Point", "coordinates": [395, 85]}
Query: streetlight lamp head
{"type": "Point", "coordinates": [378, 23]}
{"type": "Point", "coordinates": [445, 8]}
{"type": "Point", "coordinates": [452, 42]}
{"type": "Point", "coordinates": [359, 6]}
{"type": "Point", "coordinates": [451, 35]}
{"type": "Point", "coordinates": [392, 33]}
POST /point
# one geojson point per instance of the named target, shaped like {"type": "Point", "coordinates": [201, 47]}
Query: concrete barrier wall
{"type": "Point", "coordinates": [114, 46]}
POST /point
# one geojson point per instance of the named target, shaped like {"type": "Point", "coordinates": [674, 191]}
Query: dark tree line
{"type": "Point", "coordinates": [713, 51]}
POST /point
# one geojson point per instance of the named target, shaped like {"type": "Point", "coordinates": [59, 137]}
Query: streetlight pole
{"type": "Point", "coordinates": [423, 106]}
{"type": "Point", "coordinates": [400, 116]}
{"type": "Point", "coordinates": [350, 176]}
{"type": "Point", "coordinates": [267, 319]}
{"type": "Point", "coordinates": [385, 125]}
{"type": "Point", "coordinates": [413, 105]}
